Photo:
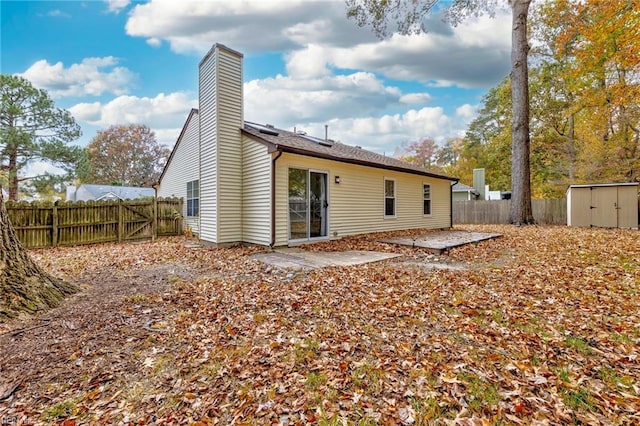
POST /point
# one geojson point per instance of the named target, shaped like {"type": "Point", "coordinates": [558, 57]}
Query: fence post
{"type": "Point", "coordinates": [54, 226]}
{"type": "Point", "coordinates": [120, 222]}
{"type": "Point", "coordinates": [154, 225]}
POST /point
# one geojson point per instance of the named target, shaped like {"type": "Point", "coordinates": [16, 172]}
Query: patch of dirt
{"type": "Point", "coordinates": [92, 338]}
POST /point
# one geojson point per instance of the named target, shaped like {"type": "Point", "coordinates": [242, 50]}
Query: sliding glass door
{"type": "Point", "coordinates": [308, 204]}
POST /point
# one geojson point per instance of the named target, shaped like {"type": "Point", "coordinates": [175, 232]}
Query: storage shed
{"type": "Point", "coordinates": [612, 205]}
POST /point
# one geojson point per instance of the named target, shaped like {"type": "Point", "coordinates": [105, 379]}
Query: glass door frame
{"type": "Point", "coordinates": [326, 208]}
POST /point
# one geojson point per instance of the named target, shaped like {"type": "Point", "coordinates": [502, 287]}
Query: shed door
{"type": "Point", "coordinates": [604, 206]}
{"type": "Point", "coordinates": [628, 206]}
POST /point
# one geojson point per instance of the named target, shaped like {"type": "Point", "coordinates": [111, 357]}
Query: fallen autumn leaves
{"type": "Point", "coordinates": [541, 328]}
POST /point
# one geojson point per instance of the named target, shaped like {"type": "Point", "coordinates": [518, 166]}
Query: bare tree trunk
{"type": "Point", "coordinates": [24, 286]}
{"type": "Point", "coordinates": [521, 211]}
{"type": "Point", "coordinates": [13, 175]}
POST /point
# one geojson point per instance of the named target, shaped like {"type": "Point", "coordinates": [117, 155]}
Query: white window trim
{"type": "Point", "coordinates": [186, 198]}
{"type": "Point", "coordinates": [384, 198]}
{"type": "Point", "coordinates": [430, 199]}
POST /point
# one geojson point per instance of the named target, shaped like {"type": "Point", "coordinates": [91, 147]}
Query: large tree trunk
{"type": "Point", "coordinates": [24, 286]}
{"type": "Point", "coordinates": [521, 212]}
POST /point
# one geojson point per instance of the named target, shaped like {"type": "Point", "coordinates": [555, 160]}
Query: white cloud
{"type": "Point", "coordinates": [93, 76]}
{"type": "Point", "coordinates": [164, 113]}
{"type": "Point", "coordinates": [57, 13]}
{"type": "Point", "coordinates": [317, 35]}
{"type": "Point", "coordinates": [154, 42]}
{"type": "Point", "coordinates": [283, 100]}
{"type": "Point", "coordinates": [115, 6]}
{"type": "Point", "coordinates": [466, 111]}
{"type": "Point", "coordinates": [416, 98]}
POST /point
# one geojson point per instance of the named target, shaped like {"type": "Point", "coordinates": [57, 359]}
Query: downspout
{"type": "Point", "coordinates": [451, 202]}
{"type": "Point", "coordinates": [273, 199]}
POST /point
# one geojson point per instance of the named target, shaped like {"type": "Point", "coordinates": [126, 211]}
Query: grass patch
{"type": "Point", "coordinates": [563, 374]}
{"type": "Point", "coordinates": [306, 350]}
{"type": "Point", "coordinates": [314, 380]}
{"type": "Point", "coordinates": [621, 338]}
{"type": "Point", "coordinates": [61, 410]}
{"type": "Point", "coordinates": [480, 393]}
{"type": "Point", "coordinates": [368, 377]}
{"type": "Point", "coordinates": [577, 399]}
{"type": "Point", "coordinates": [578, 344]}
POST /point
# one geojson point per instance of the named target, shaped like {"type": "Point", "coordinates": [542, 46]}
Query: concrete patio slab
{"type": "Point", "coordinates": [295, 258]}
{"type": "Point", "coordinates": [441, 241]}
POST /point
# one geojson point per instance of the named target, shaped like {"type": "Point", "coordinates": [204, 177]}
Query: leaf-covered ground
{"type": "Point", "coordinates": [542, 327]}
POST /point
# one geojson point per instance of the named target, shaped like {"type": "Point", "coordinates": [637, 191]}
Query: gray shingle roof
{"type": "Point", "coordinates": [461, 187]}
{"type": "Point", "coordinates": [122, 192]}
{"type": "Point", "coordinates": [296, 143]}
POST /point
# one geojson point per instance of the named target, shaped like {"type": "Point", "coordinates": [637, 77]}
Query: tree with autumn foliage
{"type": "Point", "coordinates": [423, 153]}
{"type": "Point", "coordinates": [124, 155]}
{"type": "Point", "coordinates": [408, 17]}
{"type": "Point", "coordinates": [594, 48]}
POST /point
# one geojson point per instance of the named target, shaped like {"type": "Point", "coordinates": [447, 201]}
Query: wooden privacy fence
{"type": "Point", "coordinates": [68, 223]}
{"type": "Point", "coordinates": [547, 212]}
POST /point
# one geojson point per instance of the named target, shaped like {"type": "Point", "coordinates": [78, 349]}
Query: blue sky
{"type": "Point", "coordinates": [306, 65]}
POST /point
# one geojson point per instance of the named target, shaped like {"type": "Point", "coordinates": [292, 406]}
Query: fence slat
{"type": "Point", "coordinates": [547, 212]}
{"type": "Point", "coordinates": [71, 223]}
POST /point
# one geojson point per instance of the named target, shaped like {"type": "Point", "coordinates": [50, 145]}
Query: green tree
{"type": "Point", "coordinates": [32, 128]}
{"type": "Point", "coordinates": [408, 17]}
{"type": "Point", "coordinates": [123, 155]}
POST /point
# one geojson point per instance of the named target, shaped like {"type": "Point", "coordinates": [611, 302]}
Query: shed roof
{"type": "Point", "coordinates": [596, 185]}
{"type": "Point", "coordinates": [461, 187]}
{"type": "Point", "coordinates": [300, 143]}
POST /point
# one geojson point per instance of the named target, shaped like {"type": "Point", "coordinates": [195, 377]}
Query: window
{"type": "Point", "coordinates": [193, 198]}
{"type": "Point", "coordinates": [389, 197]}
{"type": "Point", "coordinates": [426, 199]}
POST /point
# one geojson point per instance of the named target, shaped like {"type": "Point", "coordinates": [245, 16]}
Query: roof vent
{"type": "Point", "coordinates": [301, 132]}
{"type": "Point", "coordinates": [319, 141]}
{"type": "Point", "coordinates": [269, 126]}
{"type": "Point", "coordinates": [267, 129]}
{"type": "Point", "coordinates": [358, 146]}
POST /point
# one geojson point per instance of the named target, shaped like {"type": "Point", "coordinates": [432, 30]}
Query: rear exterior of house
{"type": "Point", "coordinates": [612, 205]}
{"type": "Point", "coordinates": [182, 179]}
{"type": "Point", "coordinates": [268, 186]}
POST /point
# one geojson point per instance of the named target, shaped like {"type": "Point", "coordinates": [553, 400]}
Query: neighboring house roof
{"type": "Point", "coordinates": [300, 143]}
{"type": "Point", "coordinates": [109, 192]}
{"type": "Point", "coordinates": [461, 187]}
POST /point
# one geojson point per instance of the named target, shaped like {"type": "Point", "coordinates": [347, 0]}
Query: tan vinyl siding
{"type": "Point", "coordinates": [230, 122]}
{"type": "Point", "coordinates": [256, 190]}
{"type": "Point", "coordinates": [208, 149]}
{"type": "Point", "coordinates": [182, 169]}
{"type": "Point", "coordinates": [356, 205]}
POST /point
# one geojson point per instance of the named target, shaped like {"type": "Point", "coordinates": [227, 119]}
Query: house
{"type": "Point", "coordinates": [613, 205]}
{"type": "Point", "coordinates": [253, 183]}
{"type": "Point", "coordinates": [462, 192]}
{"type": "Point", "coordinates": [88, 192]}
